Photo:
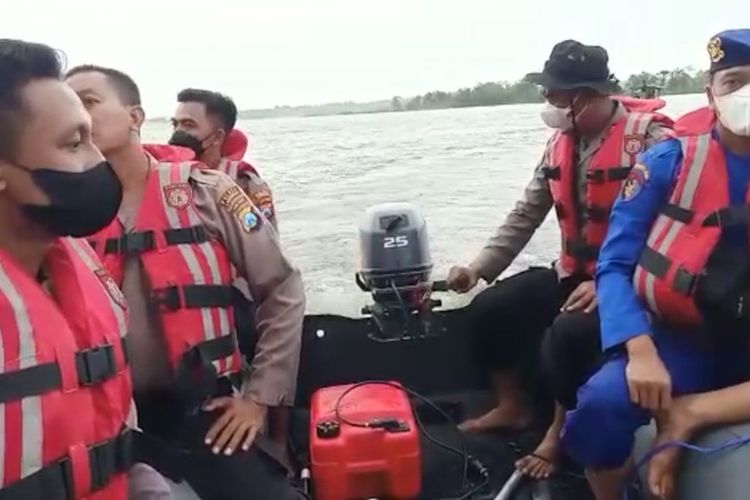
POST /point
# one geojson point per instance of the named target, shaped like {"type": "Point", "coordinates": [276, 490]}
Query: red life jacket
{"type": "Point", "coordinates": [232, 152]}
{"type": "Point", "coordinates": [235, 146]}
{"type": "Point", "coordinates": [65, 389]}
{"type": "Point", "coordinates": [189, 273]}
{"type": "Point", "coordinates": [233, 168]}
{"type": "Point", "coordinates": [583, 234]}
{"type": "Point", "coordinates": [688, 229]}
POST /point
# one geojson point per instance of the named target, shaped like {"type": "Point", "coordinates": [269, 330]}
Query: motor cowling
{"type": "Point", "coordinates": [395, 256]}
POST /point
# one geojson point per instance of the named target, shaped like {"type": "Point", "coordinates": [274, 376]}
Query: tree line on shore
{"type": "Point", "coordinates": [670, 82]}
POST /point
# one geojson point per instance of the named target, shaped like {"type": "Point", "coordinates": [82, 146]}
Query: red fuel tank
{"type": "Point", "coordinates": [373, 451]}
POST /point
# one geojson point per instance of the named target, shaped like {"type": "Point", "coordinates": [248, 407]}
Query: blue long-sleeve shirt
{"type": "Point", "coordinates": [622, 314]}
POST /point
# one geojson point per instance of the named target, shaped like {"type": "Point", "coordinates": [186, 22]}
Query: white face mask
{"type": "Point", "coordinates": [559, 118]}
{"type": "Point", "coordinates": [734, 110]}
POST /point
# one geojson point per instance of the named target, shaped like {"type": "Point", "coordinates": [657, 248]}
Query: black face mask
{"type": "Point", "coordinates": [81, 203]}
{"type": "Point", "coordinates": [185, 140]}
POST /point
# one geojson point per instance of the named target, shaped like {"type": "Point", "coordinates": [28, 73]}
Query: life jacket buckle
{"type": "Point", "coordinates": [130, 243]}
{"type": "Point", "coordinates": [95, 365]}
{"type": "Point", "coordinates": [167, 299]}
{"type": "Point", "coordinates": [595, 176]}
{"type": "Point", "coordinates": [552, 173]}
{"type": "Point", "coordinates": [596, 213]}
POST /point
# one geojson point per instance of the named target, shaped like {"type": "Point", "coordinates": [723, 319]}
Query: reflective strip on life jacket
{"type": "Point", "coordinates": [23, 428]}
{"type": "Point", "coordinates": [55, 481]}
{"type": "Point", "coordinates": [666, 228]}
{"type": "Point", "coordinates": [64, 384]}
{"type": "Point", "coordinates": [215, 321]}
{"type": "Point", "coordinates": [86, 254]}
{"type": "Point", "coordinates": [230, 167]}
{"type": "Point", "coordinates": [233, 168]}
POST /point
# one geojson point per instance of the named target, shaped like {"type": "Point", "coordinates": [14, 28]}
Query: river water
{"type": "Point", "coordinates": [464, 167]}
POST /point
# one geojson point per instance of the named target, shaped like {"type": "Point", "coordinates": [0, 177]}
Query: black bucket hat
{"type": "Point", "coordinates": [573, 65]}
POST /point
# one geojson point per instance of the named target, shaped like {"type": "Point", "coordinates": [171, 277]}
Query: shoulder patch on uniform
{"type": "Point", "coordinates": [112, 289]}
{"type": "Point", "coordinates": [237, 203]}
{"type": "Point", "coordinates": [178, 195]}
{"type": "Point", "coordinates": [635, 181]}
{"type": "Point", "coordinates": [264, 201]}
{"type": "Point", "coordinates": [634, 144]}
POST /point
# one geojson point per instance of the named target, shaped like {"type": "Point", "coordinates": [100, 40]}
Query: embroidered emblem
{"type": "Point", "coordinates": [237, 203]}
{"type": "Point", "coordinates": [112, 289]}
{"type": "Point", "coordinates": [634, 144]}
{"type": "Point", "coordinates": [178, 195]}
{"type": "Point", "coordinates": [715, 52]}
{"type": "Point", "coordinates": [264, 201]}
{"type": "Point", "coordinates": [249, 219]}
{"type": "Point", "coordinates": [633, 185]}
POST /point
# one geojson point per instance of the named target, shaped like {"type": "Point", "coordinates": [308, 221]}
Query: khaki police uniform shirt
{"type": "Point", "coordinates": [274, 283]}
{"type": "Point", "coordinates": [531, 210]}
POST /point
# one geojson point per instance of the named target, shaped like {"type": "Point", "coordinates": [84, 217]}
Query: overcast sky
{"type": "Point", "coordinates": [268, 52]}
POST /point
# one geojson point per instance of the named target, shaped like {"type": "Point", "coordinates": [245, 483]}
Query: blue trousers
{"type": "Point", "coordinates": [599, 432]}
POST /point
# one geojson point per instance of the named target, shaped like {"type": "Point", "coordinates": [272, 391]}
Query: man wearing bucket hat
{"type": "Point", "coordinates": [673, 282]}
{"type": "Point", "coordinates": [594, 146]}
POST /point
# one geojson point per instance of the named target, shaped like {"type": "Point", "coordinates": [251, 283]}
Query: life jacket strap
{"type": "Point", "coordinates": [678, 213]}
{"type": "Point", "coordinates": [581, 250]}
{"type": "Point", "coordinates": [735, 215]}
{"type": "Point", "coordinates": [93, 366]}
{"type": "Point", "coordinates": [595, 213]}
{"type": "Point", "coordinates": [191, 297]}
{"type": "Point", "coordinates": [217, 348]}
{"type": "Point", "coordinates": [551, 173]}
{"type": "Point", "coordinates": [55, 481]}
{"type": "Point", "coordinates": [658, 264]}
{"type": "Point", "coordinates": [601, 175]}
{"type": "Point", "coordinates": [144, 241]}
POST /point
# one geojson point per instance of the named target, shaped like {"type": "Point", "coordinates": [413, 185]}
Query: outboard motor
{"type": "Point", "coordinates": [395, 266]}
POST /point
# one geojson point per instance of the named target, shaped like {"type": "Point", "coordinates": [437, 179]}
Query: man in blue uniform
{"type": "Point", "coordinates": [661, 220]}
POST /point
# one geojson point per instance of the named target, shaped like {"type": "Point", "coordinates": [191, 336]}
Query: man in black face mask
{"type": "Point", "coordinates": [205, 123]}
{"type": "Point", "coordinates": [57, 304]}
{"type": "Point", "coordinates": [181, 232]}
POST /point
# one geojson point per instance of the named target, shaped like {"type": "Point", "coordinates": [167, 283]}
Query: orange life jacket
{"type": "Point", "coordinates": [65, 388]}
{"type": "Point", "coordinates": [189, 273]}
{"type": "Point", "coordinates": [688, 228]}
{"type": "Point", "coordinates": [583, 233]}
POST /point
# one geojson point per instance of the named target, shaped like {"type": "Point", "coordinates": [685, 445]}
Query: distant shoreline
{"type": "Point", "coordinates": [678, 81]}
{"type": "Point", "coordinates": [260, 115]}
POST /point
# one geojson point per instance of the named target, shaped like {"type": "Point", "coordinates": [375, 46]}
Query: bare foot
{"type": "Point", "coordinates": [677, 424]}
{"type": "Point", "coordinates": [504, 416]}
{"type": "Point", "coordinates": [542, 462]}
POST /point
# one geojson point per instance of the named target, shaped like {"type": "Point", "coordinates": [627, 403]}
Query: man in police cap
{"type": "Point", "coordinates": [672, 282]}
{"type": "Point", "coordinates": [590, 153]}
{"type": "Point", "coordinates": [180, 232]}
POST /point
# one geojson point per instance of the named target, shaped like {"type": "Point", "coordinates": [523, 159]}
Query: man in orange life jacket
{"type": "Point", "coordinates": [580, 174]}
{"type": "Point", "coordinates": [673, 281]}
{"type": "Point", "coordinates": [204, 122]}
{"type": "Point", "coordinates": [180, 231]}
{"type": "Point", "coordinates": [65, 385]}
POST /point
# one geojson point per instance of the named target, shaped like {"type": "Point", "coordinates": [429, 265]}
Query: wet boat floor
{"type": "Point", "coordinates": [498, 452]}
{"type": "Point", "coordinates": [442, 471]}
